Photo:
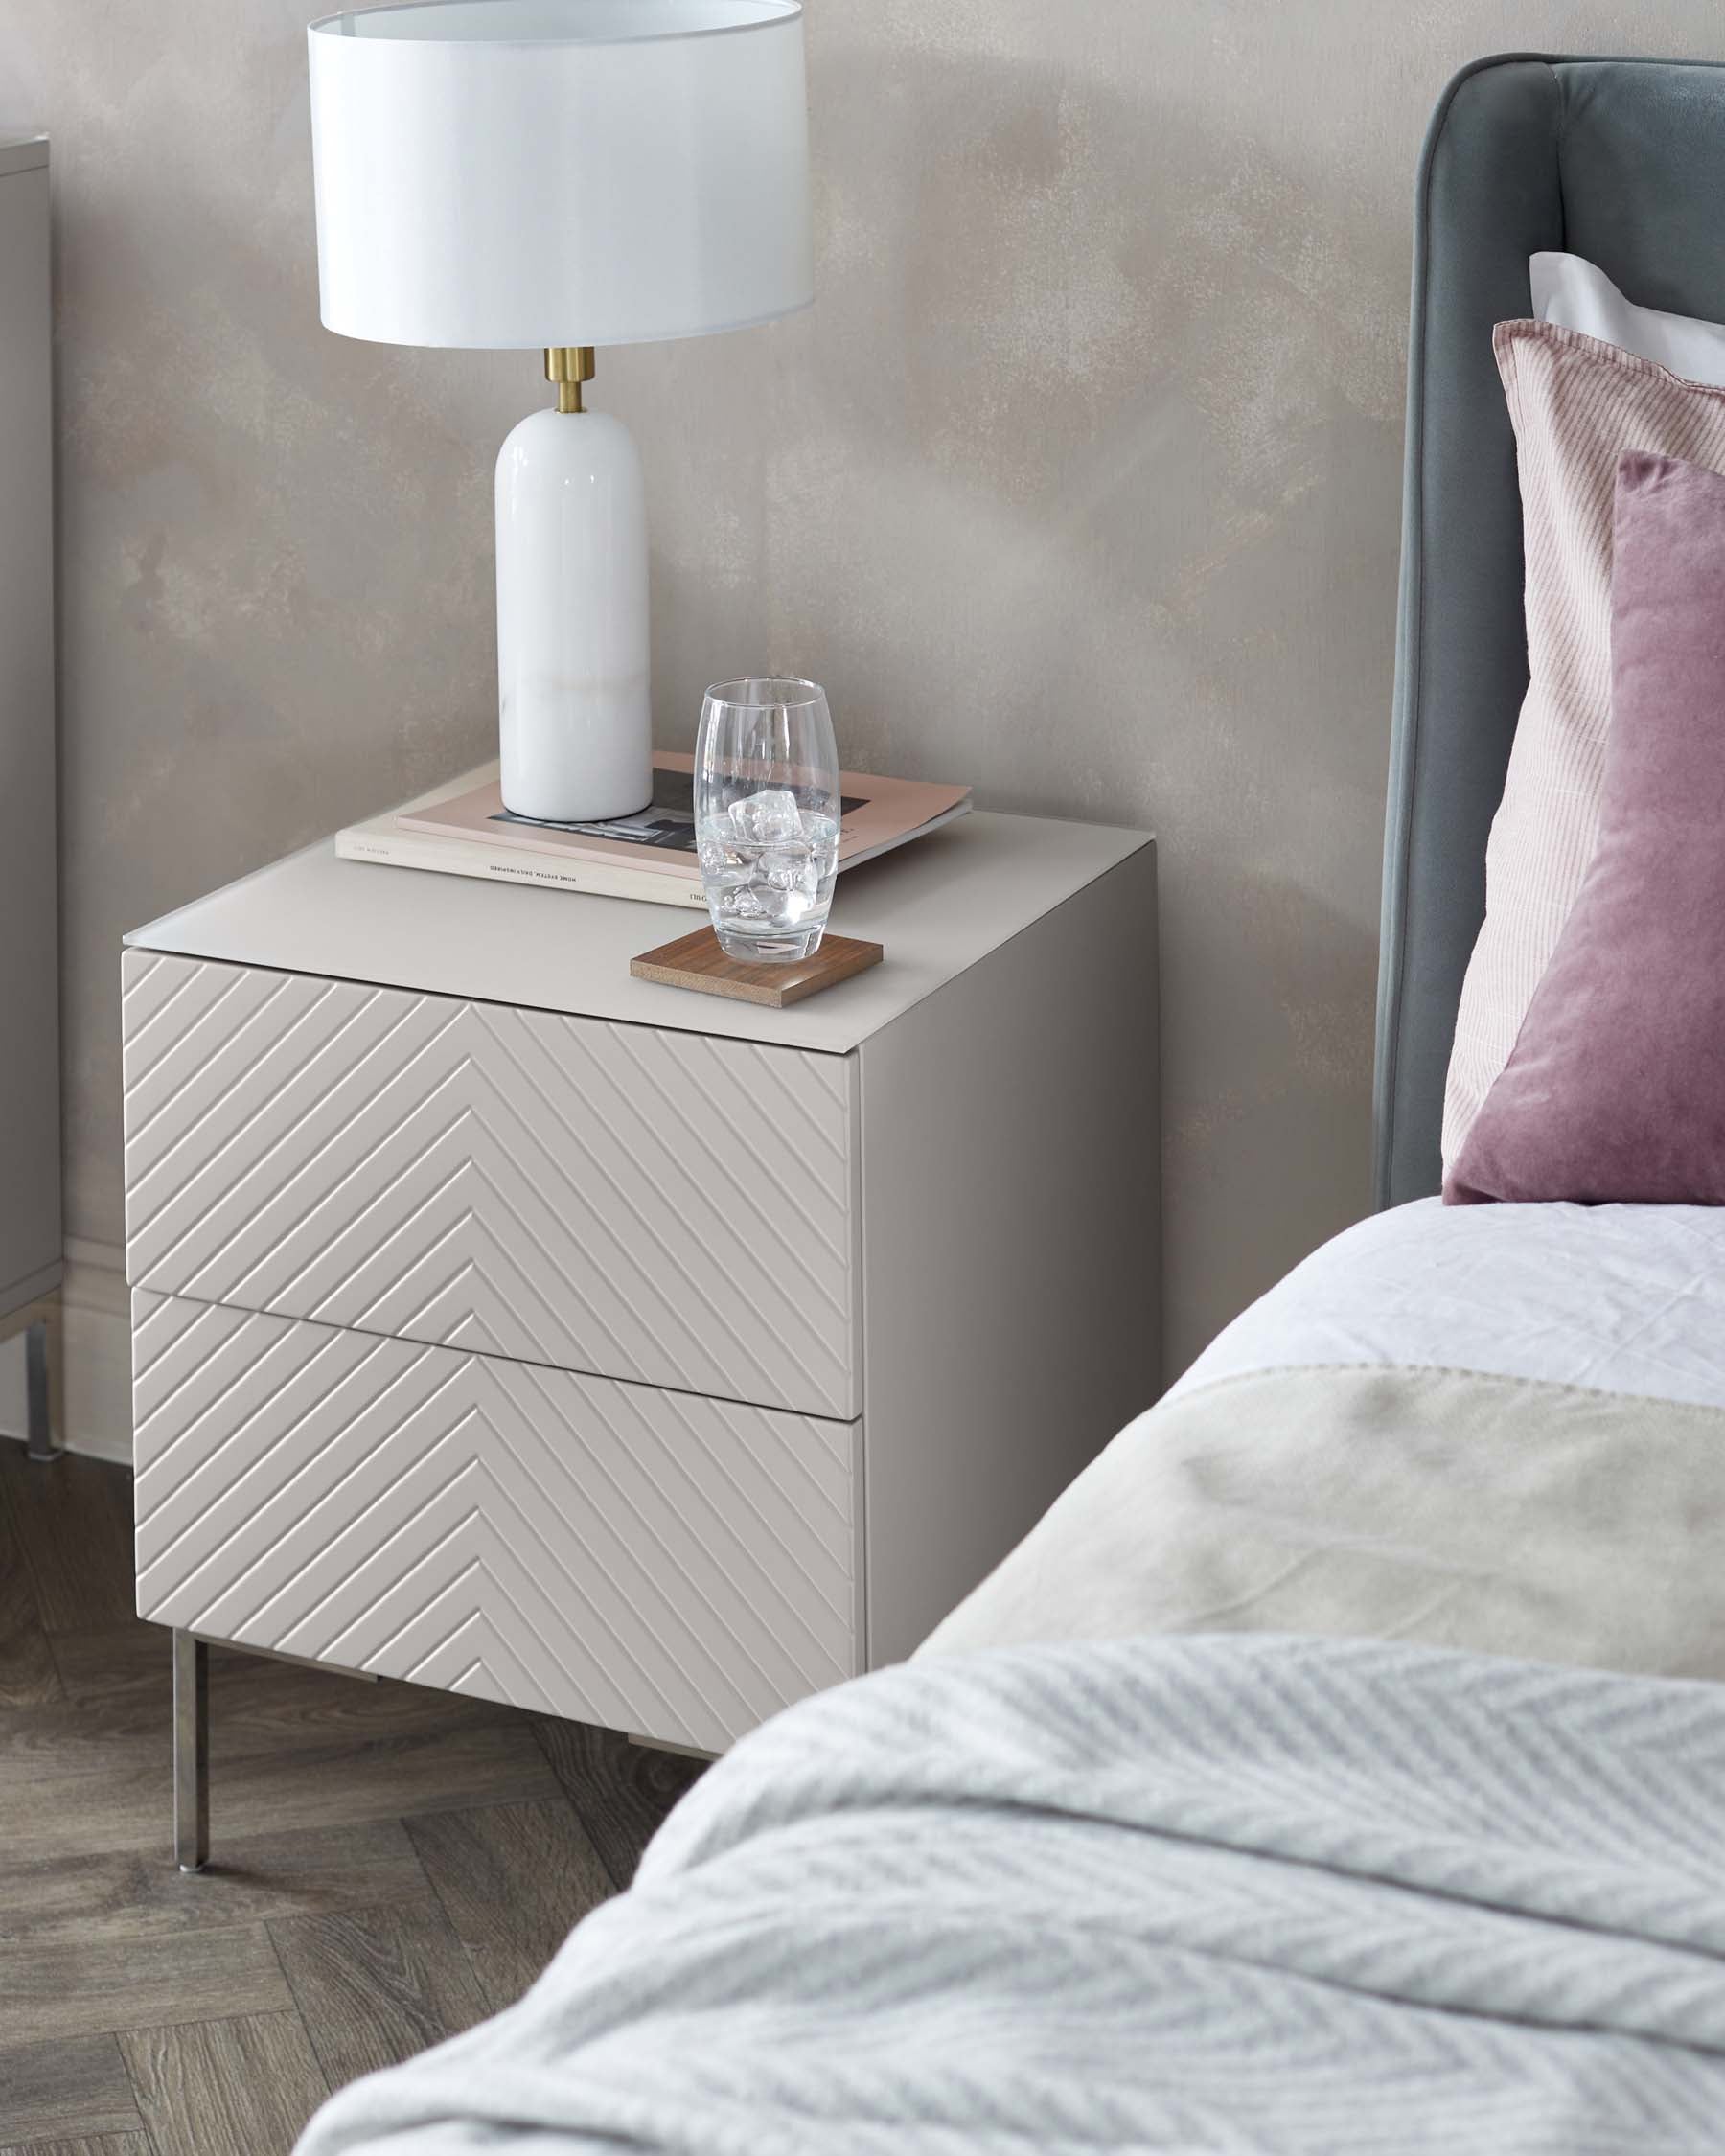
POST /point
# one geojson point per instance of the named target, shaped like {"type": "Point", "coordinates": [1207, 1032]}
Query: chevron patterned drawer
{"type": "Point", "coordinates": [666, 1208]}
{"type": "Point", "coordinates": [607, 1552]}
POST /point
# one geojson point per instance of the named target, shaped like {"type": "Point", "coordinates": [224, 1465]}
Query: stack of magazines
{"type": "Point", "coordinates": [465, 829]}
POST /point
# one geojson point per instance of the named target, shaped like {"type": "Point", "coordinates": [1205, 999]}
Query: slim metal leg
{"type": "Point", "coordinates": [35, 1386]}
{"type": "Point", "coordinates": [191, 1752]}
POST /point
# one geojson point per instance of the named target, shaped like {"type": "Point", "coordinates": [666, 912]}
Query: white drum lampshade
{"type": "Point", "coordinates": [563, 174]}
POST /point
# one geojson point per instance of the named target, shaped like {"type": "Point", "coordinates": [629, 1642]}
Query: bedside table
{"type": "Point", "coordinates": [510, 1325]}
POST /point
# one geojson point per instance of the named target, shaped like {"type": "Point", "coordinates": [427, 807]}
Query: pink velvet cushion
{"type": "Point", "coordinates": [1576, 404]}
{"type": "Point", "coordinates": [1616, 1086]}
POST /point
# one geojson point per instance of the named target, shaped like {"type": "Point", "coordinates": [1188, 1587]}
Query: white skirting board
{"type": "Point", "coordinates": [90, 1345]}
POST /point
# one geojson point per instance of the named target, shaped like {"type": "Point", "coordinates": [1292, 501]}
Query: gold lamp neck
{"type": "Point", "coordinates": [568, 366]}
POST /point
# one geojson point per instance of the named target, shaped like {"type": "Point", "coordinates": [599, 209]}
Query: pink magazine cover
{"type": "Point", "coordinates": [877, 814]}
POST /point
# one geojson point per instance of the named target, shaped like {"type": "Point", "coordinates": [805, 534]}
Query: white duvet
{"type": "Point", "coordinates": [1492, 1427]}
{"type": "Point", "coordinates": [1306, 1893]}
{"type": "Point", "coordinates": [1624, 1299]}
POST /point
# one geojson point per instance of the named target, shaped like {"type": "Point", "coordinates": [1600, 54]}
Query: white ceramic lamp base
{"type": "Point", "coordinates": [575, 715]}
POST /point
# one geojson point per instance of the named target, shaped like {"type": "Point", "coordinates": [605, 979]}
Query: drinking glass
{"type": "Point", "coordinates": [766, 815]}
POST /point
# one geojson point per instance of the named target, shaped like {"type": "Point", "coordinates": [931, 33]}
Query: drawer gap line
{"type": "Point", "coordinates": [225, 1340]}
{"type": "Point", "coordinates": [412, 1325]}
{"type": "Point", "coordinates": [284, 1289]}
{"type": "Point", "coordinates": [142, 1369]}
{"type": "Point", "coordinates": [760, 1518]}
{"type": "Point", "coordinates": [575, 1294]}
{"type": "Point", "coordinates": [664, 1249]}
{"type": "Point", "coordinates": [776, 1405]}
{"type": "Point", "coordinates": [379, 1342]}
{"type": "Point", "coordinates": [840, 1513]}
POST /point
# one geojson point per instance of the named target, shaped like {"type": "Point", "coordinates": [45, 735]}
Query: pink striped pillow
{"type": "Point", "coordinates": [1575, 405]}
{"type": "Point", "coordinates": [1613, 1094]}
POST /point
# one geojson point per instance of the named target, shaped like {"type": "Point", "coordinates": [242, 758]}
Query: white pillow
{"type": "Point", "coordinates": [1576, 296]}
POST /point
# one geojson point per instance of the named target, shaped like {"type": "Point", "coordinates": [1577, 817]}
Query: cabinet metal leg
{"type": "Point", "coordinates": [191, 1752]}
{"type": "Point", "coordinates": [36, 1387]}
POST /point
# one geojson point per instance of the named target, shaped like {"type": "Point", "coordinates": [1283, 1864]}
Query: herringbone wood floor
{"type": "Point", "coordinates": [390, 1866]}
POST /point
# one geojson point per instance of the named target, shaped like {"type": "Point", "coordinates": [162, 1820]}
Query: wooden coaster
{"type": "Point", "coordinates": [699, 962]}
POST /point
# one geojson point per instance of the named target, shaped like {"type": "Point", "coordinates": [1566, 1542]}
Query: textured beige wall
{"type": "Point", "coordinates": [1080, 481]}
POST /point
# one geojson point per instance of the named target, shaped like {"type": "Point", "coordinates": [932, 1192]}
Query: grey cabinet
{"type": "Point", "coordinates": [30, 1152]}
{"type": "Point", "coordinates": [511, 1325]}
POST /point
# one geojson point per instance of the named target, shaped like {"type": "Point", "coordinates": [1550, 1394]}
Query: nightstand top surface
{"type": "Point", "coordinates": [937, 905]}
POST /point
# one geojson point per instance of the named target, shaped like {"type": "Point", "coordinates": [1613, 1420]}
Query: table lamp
{"type": "Point", "coordinates": [559, 175]}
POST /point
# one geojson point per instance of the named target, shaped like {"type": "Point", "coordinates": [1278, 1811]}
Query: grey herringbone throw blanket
{"type": "Point", "coordinates": [1197, 1893]}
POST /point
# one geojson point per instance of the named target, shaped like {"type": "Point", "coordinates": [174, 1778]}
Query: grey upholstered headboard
{"type": "Point", "coordinates": [1620, 160]}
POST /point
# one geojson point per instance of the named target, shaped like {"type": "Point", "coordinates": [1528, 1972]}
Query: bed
{"type": "Point", "coordinates": [1484, 1427]}
{"type": "Point", "coordinates": [1340, 1765]}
